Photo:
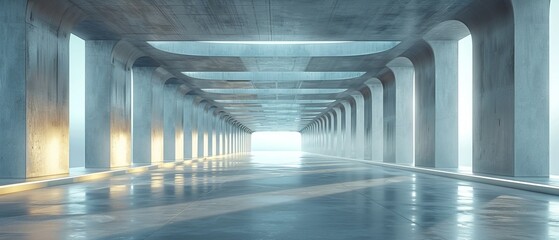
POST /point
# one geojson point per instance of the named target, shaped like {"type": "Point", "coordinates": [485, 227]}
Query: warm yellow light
{"type": "Point", "coordinates": [157, 148]}
{"type": "Point", "coordinates": [179, 146]}
{"type": "Point", "coordinates": [120, 150]}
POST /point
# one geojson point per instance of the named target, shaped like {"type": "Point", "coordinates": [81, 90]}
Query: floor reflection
{"type": "Point", "coordinates": [272, 195]}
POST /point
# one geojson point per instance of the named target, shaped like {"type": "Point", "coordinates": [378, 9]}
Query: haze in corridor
{"type": "Point", "coordinates": [276, 141]}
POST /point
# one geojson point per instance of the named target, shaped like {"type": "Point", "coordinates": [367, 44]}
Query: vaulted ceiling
{"type": "Point", "coordinates": [271, 64]}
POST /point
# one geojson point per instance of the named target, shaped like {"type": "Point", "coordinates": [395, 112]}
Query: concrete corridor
{"type": "Point", "coordinates": [273, 195]}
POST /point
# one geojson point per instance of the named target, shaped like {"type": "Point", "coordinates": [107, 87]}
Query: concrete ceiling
{"type": "Point", "coordinates": [269, 86]}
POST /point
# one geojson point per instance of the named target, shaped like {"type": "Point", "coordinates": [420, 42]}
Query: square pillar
{"type": "Point", "coordinates": [398, 112]}
{"type": "Point", "coordinates": [107, 104]}
{"type": "Point", "coordinates": [34, 102]}
{"type": "Point", "coordinates": [511, 87]}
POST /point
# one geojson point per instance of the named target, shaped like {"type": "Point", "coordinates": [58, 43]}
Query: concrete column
{"type": "Point", "coordinates": [34, 137]}
{"type": "Point", "coordinates": [339, 125]}
{"type": "Point", "coordinates": [148, 114]}
{"type": "Point", "coordinates": [436, 65]}
{"type": "Point", "coordinates": [332, 133]}
{"type": "Point", "coordinates": [368, 115]}
{"type": "Point", "coordinates": [226, 136]}
{"type": "Point", "coordinates": [398, 112]}
{"type": "Point", "coordinates": [357, 125]}
{"type": "Point", "coordinates": [179, 127]}
{"type": "Point", "coordinates": [328, 134]}
{"type": "Point", "coordinates": [320, 135]}
{"type": "Point", "coordinates": [235, 138]}
{"type": "Point", "coordinates": [347, 142]}
{"type": "Point", "coordinates": [511, 87]}
{"type": "Point", "coordinates": [215, 119]}
{"type": "Point", "coordinates": [210, 131]}
{"type": "Point", "coordinates": [202, 134]}
{"type": "Point", "coordinates": [189, 123]}
{"type": "Point", "coordinates": [170, 122]}
{"type": "Point", "coordinates": [218, 140]}
{"type": "Point", "coordinates": [107, 103]}
{"type": "Point", "coordinates": [374, 132]}
{"type": "Point", "coordinates": [232, 137]}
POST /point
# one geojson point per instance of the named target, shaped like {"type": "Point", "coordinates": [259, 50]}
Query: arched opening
{"type": "Point", "coordinates": [554, 88]}
{"type": "Point", "coordinates": [77, 101]}
{"type": "Point", "coordinates": [465, 92]}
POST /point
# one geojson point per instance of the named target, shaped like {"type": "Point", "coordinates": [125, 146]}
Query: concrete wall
{"type": "Point", "coordinates": [34, 102]}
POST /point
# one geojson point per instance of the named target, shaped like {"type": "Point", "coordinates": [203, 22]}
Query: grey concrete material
{"type": "Point", "coordinates": [214, 133]}
{"type": "Point", "coordinates": [346, 128]}
{"type": "Point", "coordinates": [285, 20]}
{"type": "Point", "coordinates": [426, 108]}
{"type": "Point", "coordinates": [179, 127]}
{"type": "Point", "coordinates": [374, 106]}
{"type": "Point", "coordinates": [107, 103]}
{"type": "Point", "coordinates": [446, 102]}
{"type": "Point", "coordinates": [398, 110]}
{"type": "Point", "coordinates": [322, 134]}
{"type": "Point", "coordinates": [202, 130]}
{"type": "Point", "coordinates": [330, 140]}
{"type": "Point", "coordinates": [367, 121]}
{"type": "Point", "coordinates": [170, 102]}
{"type": "Point", "coordinates": [263, 196]}
{"type": "Point", "coordinates": [218, 138]}
{"type": "Point", "coordinates": [142, 102]}
{"type": "Point", "coordinates": [34, 87]}
{"type": "Point", "coordinates": [357, 125]}
{"type": "Point", "coordinates": [511, 109]}
{"type": "Point", "coordinates": [332, 132]}
{"type": "Point", "coordinates": [541, 185]}
{"type": "Point", "coordinates": [217, 135]}
{"type": "Point", "coordinates": [13, 114]}
{"type": "Point", "coordinates": [339, 128]}
{"type": "Point", "coordinates": [531, 53]}
{"type": "Point", "coordinates": [98, 102]}
{"type": "Point", "coordinates": [210, 130]}
{"type": "Point", "coordinates": [226, 136]}
{"type": "Point", "coordinates": [389, 117]}
{"type": "Point", "coordinates": [189, 127]}
{"type": "Point", "coordinates": [436, 65]}
{"type": "Point", "coordinates": [244, 21]}
{"type": "Point", "coordinates": [157, 115]}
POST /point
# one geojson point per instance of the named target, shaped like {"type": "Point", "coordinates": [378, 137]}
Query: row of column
{"type": "Point", "coordinates": [34, 101]}
{"type": "Point", "coordinates": [170, 125]}
{"type": "Point", "coordinates": [510, 98]}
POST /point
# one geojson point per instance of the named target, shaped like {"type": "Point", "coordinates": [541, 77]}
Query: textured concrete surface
{"type": "Point", "coordinates": [170, 98]}
{"type": "Point", "coordinates": [511, 98]}
{"type": "Point", "coordinates": [357, 125]}
{"type": "Point", "coordinates": [402, 98]}
{"type": "Point", "coordinates": [147, 139]}
{"type": "Point", "coordinates": [107, 106]}
{"type": "Point", "coordinates": [275, 196]}
{"type": "Point", "coordinates": [511, 88]}
{"type": "Point", "coordinates": [34, 88]}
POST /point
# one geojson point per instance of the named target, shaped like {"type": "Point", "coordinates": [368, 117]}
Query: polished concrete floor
{"type": "Point", "coordinates": [278, 196]}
